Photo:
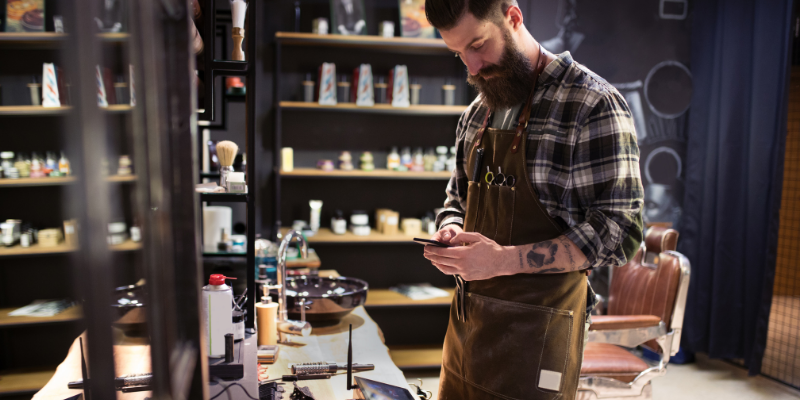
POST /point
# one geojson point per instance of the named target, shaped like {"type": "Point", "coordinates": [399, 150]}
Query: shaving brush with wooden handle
{"type": "Point", "coordinates": [226, 152]}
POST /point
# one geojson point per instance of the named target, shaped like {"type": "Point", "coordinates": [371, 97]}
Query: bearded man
{"type": "Point", "coordinates": [546, 187]}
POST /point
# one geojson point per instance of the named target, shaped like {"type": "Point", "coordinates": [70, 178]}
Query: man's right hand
{"type": "Point", "coordinates": [446, 233]}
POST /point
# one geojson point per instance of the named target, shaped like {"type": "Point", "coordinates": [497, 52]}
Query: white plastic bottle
{"type": "Point", "coordinates": [218, 311]}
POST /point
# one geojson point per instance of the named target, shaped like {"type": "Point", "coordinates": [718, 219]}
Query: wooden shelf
{"type": "Point", "coordinates": [67, 180]}
{"type": "Point", "coordinates": [422, 109]}
{"type": "Point", "coordinates": [312, 261]}
{"type": "Point", "coordinates": [416, 357]}
{"type": "Point", "coordinates": [394, 44]}
{"type": "Point", "coordinates": [37, 250]}
{"type": "Point", "coordinates": [388, 298]}
{"type": "Point", "coordinates": [24, 381]}
{"type": "Point", "coordinates": [63, 110]}
{"type": "Point", "coordinates": [7, 321]}
{"type": "Point", "coordinates": [50, 40]}
{"type": "Point", "coordinates": [324, 235]}
{"type": "Point", "coordinates": [376, 174]}
{"type": "Point", "coordinates": [24, 182]}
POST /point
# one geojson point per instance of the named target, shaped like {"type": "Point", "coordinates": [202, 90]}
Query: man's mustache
{"type": "Point", "coordinates": [492, 70]}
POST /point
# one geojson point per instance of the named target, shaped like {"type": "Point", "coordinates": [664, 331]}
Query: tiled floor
{"type": "Point", "coordinates": [703, 380]}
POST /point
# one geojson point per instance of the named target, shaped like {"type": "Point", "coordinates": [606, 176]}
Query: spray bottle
{"type": "Point", "coordinates": [217, 308]}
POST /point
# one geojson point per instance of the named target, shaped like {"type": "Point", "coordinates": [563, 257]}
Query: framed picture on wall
{"type": "Point", "coordinates": [413, 21]}
{"type": "Point", "coordinates": [347, 17]}
{"type": "Point", "coordinates": [24, 16]}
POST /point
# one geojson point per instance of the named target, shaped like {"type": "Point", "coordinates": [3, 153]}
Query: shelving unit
{"type": "Point", "coordinates": [385, 260]}
{"type": "Point", "coordinates": [68, 315]}
{"type": "Point", "coordinates": [36, 250]}
{"type": "Point", "coordinates": [24, 381]}
{"type": "Point", "coordinates": [66, 180]}
{"type": "Point", "coordinates": [62, 110]}
{"type": "Point", "coordinates": [51, 40]}
{"type": "Point", "coordinates": [376, 174]}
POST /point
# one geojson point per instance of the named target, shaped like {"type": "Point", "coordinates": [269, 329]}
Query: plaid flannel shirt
{"type": "Point", "coordinates": [585, 169]}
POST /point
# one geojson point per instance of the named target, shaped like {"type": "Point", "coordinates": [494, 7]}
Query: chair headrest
{"type": "Point", "coordinates": [659, 239]}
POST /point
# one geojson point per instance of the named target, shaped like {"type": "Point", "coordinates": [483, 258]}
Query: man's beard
{"type": "Point", "coordinates": [511, 81]}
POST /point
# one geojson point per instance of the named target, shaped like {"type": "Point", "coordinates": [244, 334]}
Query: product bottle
{"type": "Point", "coordinates": [338, 223]}
{"type": "Point", "coordinates": [217, 301]}
{"type": "Point", "coordinates": [419, 161]}
{"type": "Point", "coordinates": [63, 165]}
{"type": "Point", "coordinates": [430, 159]}
{"type": "Point", "coordinates": [405, 157]}
{"type": "Point", "coordinates": [23, 166]}
{"type": "Point", "coordinates": [50, 163]}
{"type": "Point", "coordinates": [393, 160]}
{"type": "Point", "coordinates": [451, 162]}
{"type": "Point", "coordinates": [266, 314]}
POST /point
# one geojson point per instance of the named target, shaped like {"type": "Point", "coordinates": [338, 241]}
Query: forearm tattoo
{"type": "Point", "coordinates": [544, 253]}
{"type": "Point", "coordinates": [521, 265]}
{"type": "Point", "coordinates": [565, 242]}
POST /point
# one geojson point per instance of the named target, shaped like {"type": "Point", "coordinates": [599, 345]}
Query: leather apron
{"type": "Point", "coordinates": [518, 336]}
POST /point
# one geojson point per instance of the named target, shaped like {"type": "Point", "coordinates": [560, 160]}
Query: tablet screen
{"type": "Point", "coordinates": [374, 390]}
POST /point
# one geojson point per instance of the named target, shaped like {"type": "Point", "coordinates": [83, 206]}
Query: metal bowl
{"type": "Point", "coordinates": [325, 299]}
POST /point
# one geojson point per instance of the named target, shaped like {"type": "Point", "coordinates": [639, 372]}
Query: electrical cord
{"type": "Point", "coordinates": [228, 387]}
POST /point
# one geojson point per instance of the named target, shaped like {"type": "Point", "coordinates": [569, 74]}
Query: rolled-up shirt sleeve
{"type": "Point", "coordinates": [606, 178]}
{"type": "Point", "coordinates": [456, 201]}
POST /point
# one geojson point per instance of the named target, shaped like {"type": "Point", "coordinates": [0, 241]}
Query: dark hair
{"type": "Point", "coordinates": [445, 14]}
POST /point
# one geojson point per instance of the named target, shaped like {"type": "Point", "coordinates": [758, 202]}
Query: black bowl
{"type": "Point", "coordinates": [326, 299]}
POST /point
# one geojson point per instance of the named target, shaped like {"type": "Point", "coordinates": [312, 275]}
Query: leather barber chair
{"type": "Point", "coordinates": [645, 308]}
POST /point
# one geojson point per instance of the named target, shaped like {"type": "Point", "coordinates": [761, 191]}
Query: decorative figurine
{"type": "Point", "coordinates": [345, 161]}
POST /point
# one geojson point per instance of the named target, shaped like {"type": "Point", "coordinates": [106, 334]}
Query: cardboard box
{"type": "Point", "coordinates": [390, 226]}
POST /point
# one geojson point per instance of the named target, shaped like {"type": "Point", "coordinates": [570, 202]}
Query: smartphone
{"type": "Point", "coordinates": [426, 242]}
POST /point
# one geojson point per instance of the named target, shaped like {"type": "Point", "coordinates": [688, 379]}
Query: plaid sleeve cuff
{"type": "Point", "coordinates": [600, 245]}
{"type": "Point", "coordinates": [450, 216]}
{"type": "Point", "coordinates": [453, 220]}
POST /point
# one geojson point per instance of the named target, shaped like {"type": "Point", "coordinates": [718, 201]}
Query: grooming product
{"type": "Point", "coordinates": [415, 88]}
{"type": "Point", "coordinates": [451, 161]}
{"type": "Point", "coordinates": [325, 165]}
{"type": "Point", "coordinates": [117, 233]}
{"type": "Point", "coordinates": [359, 223]}
{"type": "Point", "coordinates": [228, 348]}
{"type": "Point", "coordinates": [287, 159]}
{"type": "Point", "coordinates": [327, 84]}
{"type": "Point", "coordinates": [320, 26]}
{"type": "Point", "coordinates": [58, 24]}
{"type": "Point", "coordinates": [36, 90]}
{"type": "Point", "coordinates": [405, 158]}
{"type": "Point", "coordinates": [268, 353]}
{"type": "Point", "coordinates": [215, 219]}
{"type": "Point", "coordinates": [266, 260]}
{"type": "Point", "coordinates": [238, 325]}
{"type": "Point", "coordinates": [49, 237]}
{"type": "Point", "coordinates": [429, 159]}
{"type": "Point", "coordinates": [327, 367]}
{"type": "Point", "coordinates": [387, 29]}
{"type": "Point", "coordinates": [367, 161]}
{"type": "Point", "coordinates": [26, 239]}
{"type": "Point", "coordinates": [308, 89]}
{"type": "Point", "coordinates": [50, 164]}
{"type": "Point", "coordinates": [345, 161]}
{"type": "Point", "coordinates": [390, 225]}
{"type": "Point", "coordinates": [226, 152]}
{"type": "Point", "coordinates": [136, 234]}
{"type": "Point", "coordinates": [266, 316]}
{"type": "Point", "coordinates": [234, 86]}
{"type": "Point", "coordinates": [50, 96]}
{"type": "Point", "coordinates": [338, 223]}
{"type": "Point", "coordinates": [316, 209]}
{"type": "Point", "coordinates": [393, 160]}
{"type": "Point", "coordinates": [23, 165]}
{"type": "Point", "coordinates": [236, 183]}
{"type": "Point", "coordinates": [449, 94]}
{"type": "Point", "coordinates": [102, 99]}
{"type": "Point", "coordinates": [63, 165]}
{"type": "Point", "coordinates": [224, 243]}
{"type": "Point", "coordinates": [400, 96]}
{"type": "Point", "coordinates": [238, 243]}
{"type": "Point", "coordinates": [343, 90]}
{"type": "Point", "coordinates": [380, 91]}
{"type": "Point", "coordinates": [11, 230]}
{"type": "Point", "coordinates": [364, 94]}
{"type": "Point", "coordinates": [6, 162]}
{"type": "Point", "coordinates": [217, 300]}
{"type": "Point", "coordinates": [37, 167]}
{"type": "Point", "coordinates": [411, 226]}
{"type": "Point", "coordinates": [418, 161]}
{"type": "Point", "coordinates": [380, 218]}
{"type": "Point", "coordinates": [121, 92]}
{"type": "Point", "coordinates": [238, 11]}
{"type": "Point", "coordinates": [124, 166]}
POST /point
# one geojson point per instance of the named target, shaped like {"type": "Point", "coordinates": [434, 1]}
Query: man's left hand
{"type": "Point", "coordinates": [474, 257]}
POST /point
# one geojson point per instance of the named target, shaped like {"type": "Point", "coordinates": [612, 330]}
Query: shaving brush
{"type": "Point", "coordinates": [226, 152]}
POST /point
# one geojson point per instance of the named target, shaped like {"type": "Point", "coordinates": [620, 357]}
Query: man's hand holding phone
{"type": "Point", "coordinates": [447, 233]}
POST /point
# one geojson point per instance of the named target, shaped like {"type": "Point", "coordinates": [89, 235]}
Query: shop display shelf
{"type": "Point", "coordinates": [324, 235]}
{"type": "Point", "coordinates": [68, 315]}
{"type": "Point", "coordinates": [422, 109]}
{"type": "Point", "coordinates": [67, 180]}
{"type": "Point", "coordinates": [229, 66]}
{"type": "Point", "coordinates": [63, 110]}
{"type": "Point", "coordinates": [51, 40]}
{"type": "Point", "coordinates": [376, 174]}
{"type": "Point", "coordinates": [24, 381]}
{"type": "Point", "coordinates": [312, 261]}
{"type": "Point", "coordinates": [394, 44]}
{"type": "Point", "coordinates": [224, 197]}
{"type": "Point", "coordinates": [36, 250]}
{"type": "Point", "coordinates": [416, 356]}
{"type": "Point", "coordinates": [209, 175]}
{"type": "Point", "coordinates": [379, 298]}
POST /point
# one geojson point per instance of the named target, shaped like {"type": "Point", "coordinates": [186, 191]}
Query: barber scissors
{"type": "Point", "coordinates": [499, 179]}
{"type": "Point", "coordinates": [511, 180]}
{"type": "Point", "coordinates": [489, 175]}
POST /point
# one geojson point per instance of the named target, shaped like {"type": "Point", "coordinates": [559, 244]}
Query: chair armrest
{"type": "Point", "coordinates": [616, 322]}
{"type": "Point", "coordinates": [628, 337]}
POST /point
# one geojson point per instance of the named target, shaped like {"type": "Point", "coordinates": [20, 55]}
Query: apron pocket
{"type": "Point", "coordinates": [506, 202]}
{"type": "Point", "coordinates": [489, 222]}
{"type": "Point", "coordinates": [473, 203]}
{"type": "Point", "coordinates": [517, 350]}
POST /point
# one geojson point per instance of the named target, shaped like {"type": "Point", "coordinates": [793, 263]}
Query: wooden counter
{"type": "Point", "coordinates": [324, 344]}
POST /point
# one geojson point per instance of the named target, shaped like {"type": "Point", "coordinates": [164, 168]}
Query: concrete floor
{"type": "Point", "coordinates": [703, 380]}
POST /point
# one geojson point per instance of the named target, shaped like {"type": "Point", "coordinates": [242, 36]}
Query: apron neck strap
{"type": "Point", "coordinates": [524, 115]}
